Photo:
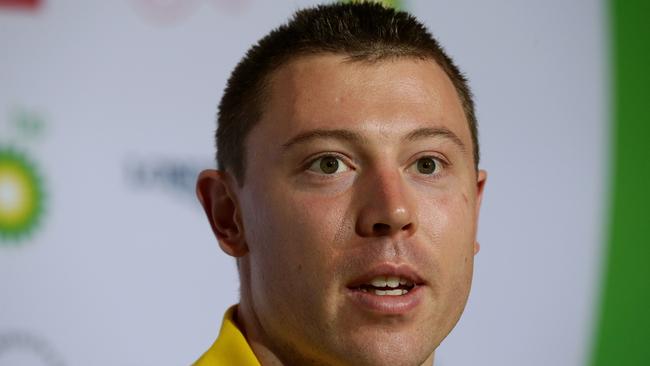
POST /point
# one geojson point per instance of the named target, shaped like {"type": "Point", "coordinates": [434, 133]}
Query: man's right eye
{"type": "Point", "coordinates": [328, 164]}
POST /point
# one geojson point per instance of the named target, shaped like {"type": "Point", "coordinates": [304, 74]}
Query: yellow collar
{"type": "Point", "coordinates": [230, 348]}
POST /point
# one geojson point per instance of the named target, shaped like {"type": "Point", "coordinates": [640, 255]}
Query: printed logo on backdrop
{"type": "Point", "coordinates": [170, 12]}
{"type": "Point", "coordinates": [22, 348]}
{"type": "Point", "coordinates": [173, 177]}
{"type": "Point", "coordinates": [20, 4]}
{"type": "Point", "coordinates": [22, 192]}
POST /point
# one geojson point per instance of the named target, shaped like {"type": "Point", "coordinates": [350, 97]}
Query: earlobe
{"type": "Point", "coordinates": [477, 247]}
{"type": "Point", "coordinates": [219, 202]}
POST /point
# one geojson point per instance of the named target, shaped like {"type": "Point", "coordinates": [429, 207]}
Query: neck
{"type": "Point", "coordinates": [257, 339]}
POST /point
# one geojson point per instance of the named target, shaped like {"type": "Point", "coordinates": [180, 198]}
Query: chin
{"type": "Point", "coordinates": [382, 348]}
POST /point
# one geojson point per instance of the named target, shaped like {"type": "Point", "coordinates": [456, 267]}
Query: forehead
{"type": "Point", "coordinates": [328, 91]}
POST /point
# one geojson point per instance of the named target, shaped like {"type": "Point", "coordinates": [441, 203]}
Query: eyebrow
{"type": "Point", "coordinates": [350, 136]}
{"type": "Point", "coordinates": [422, 133]}
{"type": "Point", "coordinates": [304, 137]}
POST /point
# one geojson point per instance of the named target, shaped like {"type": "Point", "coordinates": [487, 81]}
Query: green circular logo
{"type": "Point", "coordinates": [21, 195]}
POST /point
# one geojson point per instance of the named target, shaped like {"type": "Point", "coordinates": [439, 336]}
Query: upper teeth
{"type": "Point", "coordinates": [390, 281]}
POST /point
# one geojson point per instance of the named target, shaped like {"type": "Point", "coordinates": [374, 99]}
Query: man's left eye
{"type": "Point", "coordinates": [427, 165]}
{"type": "Point", "coordinates": [328, 165]}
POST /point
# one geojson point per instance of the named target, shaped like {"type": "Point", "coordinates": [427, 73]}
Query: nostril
{"type": "Point", "coordinates": [380, 228]}
{"type": "Point", "coordinates": [407, 227]}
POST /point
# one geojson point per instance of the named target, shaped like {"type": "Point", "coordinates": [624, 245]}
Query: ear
{"type": "Point", "coordinates": [481, 178]}
{"type": "Point", "coordinates": [219, 201]}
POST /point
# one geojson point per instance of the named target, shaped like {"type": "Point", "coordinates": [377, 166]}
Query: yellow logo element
{"type": "Point", "coordinates": [21, 195]}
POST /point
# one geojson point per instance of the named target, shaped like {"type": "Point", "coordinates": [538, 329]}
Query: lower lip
{"type": "Point", "coordinates": [389, 305]}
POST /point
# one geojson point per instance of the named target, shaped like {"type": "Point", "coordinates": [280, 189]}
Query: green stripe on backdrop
{"type": "Point", "coordinates": [623, 332]}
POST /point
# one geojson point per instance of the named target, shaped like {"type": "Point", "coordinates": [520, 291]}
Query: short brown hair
{"type": "Point", "coordinates": [363, 31]}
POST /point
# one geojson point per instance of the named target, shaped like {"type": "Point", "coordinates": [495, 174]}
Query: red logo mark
{"type": "Point", "coordinates": [22, 4]}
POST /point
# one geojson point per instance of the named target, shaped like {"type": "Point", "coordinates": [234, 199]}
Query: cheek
{"type": "Point", "coordinates": [449, 227]}
{"type": "Point", "coordinates": [292, 235]}
{"type": "Point", "coordinates": [448, 222]}
{"type": "Point", "coordinates": [316, 234]}
{"type": "Point", "coordinates": [448, 216]}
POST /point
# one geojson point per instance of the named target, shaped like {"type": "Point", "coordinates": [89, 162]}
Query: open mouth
{"type": "Point", "coordinates": [388, 289]}
{"type": "Point", "coordinates": [387, 286]}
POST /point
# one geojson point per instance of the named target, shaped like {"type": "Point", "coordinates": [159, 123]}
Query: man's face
{"type": "Point", "coordinates": [359, 210]}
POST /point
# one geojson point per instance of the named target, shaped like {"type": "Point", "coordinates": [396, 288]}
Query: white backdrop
{"type": "Point", "coordinates": [122, 268]}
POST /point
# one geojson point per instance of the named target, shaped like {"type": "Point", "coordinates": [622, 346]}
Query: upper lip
{"type": "Point", "coordinates": [404, 271]}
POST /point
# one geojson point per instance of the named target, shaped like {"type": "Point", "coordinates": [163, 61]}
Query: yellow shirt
{"type": "Point", "coordinates": [230, 348]}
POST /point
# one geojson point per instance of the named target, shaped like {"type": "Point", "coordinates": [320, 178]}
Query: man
{"type": "Point", "coordinates": [348, 190]}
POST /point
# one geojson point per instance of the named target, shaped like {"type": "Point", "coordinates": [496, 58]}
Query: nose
{"type": "Point", "coordinates": [387, 206]}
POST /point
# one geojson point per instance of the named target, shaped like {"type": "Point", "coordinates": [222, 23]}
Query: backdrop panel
{"type": "Point", "coordinates": [107, 114]}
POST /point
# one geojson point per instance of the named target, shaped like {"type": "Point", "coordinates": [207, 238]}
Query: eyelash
{"type": "Point", "coordinates": [313, 160]}
{"type": "Point", "coordinates": [443, 163]}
